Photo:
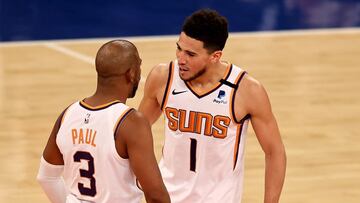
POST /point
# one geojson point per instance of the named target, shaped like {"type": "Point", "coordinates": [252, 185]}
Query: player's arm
{"type": "Point", "coordinates": [51, 168]}
{"type": "Point", "coordinates": [154, 90]}
{"type": "Point", "coordinates": [268, 135]}
{"type": "Point", "coordinates": [137, 139]}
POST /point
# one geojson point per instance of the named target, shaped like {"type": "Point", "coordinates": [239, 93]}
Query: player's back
{"type": "Point", "coordinates": [93, 169]}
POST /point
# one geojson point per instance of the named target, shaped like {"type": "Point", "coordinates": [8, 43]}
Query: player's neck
{"type": "Point", "coordinates": [212, 76]}
{"type": "Point", "coordinates": [104, 95]}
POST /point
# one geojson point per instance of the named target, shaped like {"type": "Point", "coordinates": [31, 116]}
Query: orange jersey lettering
{"type": "Point", "coordinates": [198, 122]}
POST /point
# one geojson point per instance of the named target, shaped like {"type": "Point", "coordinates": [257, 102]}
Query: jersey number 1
{"type": "Point", "coordinates": [81, 155]}
{"type": "Point", "coordinates": [193, 143]}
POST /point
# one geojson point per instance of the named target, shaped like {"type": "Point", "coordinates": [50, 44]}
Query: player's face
{"type": "Point", "coordinates": [192, 57]}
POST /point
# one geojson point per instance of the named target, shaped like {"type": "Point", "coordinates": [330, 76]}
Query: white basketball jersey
{"type": "Point", "coordinates": [204, 144]}
{"type": "Point", "coordinates": [94, 172]}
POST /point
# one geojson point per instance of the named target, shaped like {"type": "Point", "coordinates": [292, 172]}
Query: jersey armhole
{"type": "Point", "coordinates": [168, 85]}
{"type": "Point", "coordinates": [232, 110]}
{"type": "Point", "coordinates": [61, 118]}
{"type": "Point", "coordinates": [121, 119]}
{"type": "Point", "coordinates": [59, 122]}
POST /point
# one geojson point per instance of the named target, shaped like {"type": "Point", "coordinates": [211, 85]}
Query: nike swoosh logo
{"type": "Point", "coordinates": [175, 93]}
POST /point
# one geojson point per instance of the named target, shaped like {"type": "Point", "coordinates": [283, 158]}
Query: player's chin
{"type": "Point", "coordinates": [184, 76]}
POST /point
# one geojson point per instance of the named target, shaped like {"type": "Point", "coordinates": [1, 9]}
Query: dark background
{"type": "Point", "coordinates": [50, 19]}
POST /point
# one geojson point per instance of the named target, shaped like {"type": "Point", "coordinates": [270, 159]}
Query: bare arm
{"type": "Point", "coordinates": [51, 152]}
{"type": "Point", "coordinates": [51, 169]}
{"type": "Point", "coordinates": [154, 91]}
{"type": "Point", "coordinates": [268, 135]}
{"type": "Point", "coordinates": [138, 142]}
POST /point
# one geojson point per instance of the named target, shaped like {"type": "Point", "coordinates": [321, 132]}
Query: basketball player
{"type": "Point", "coordinates": [101, 146]}
{"type": "Point", "coordinates": [207, 104]}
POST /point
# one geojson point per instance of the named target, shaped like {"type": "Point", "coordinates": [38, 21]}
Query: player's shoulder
{"type": "Point", "coordinates": [251, 87]}
{"type": "Point", "coordinates": [252, 95]}
{"type": "Point", "coordinates": [135, 120]}
{"type": "Point", "coordinates": [135, 123]}
{"type": "Point", "coordinates": [245, 81]}
{"type": "Point", "coordinates": [251, 82]}
{"type": "Point", "coordinates": [158, 76]}
{"type": "Point", "coordinates": [136, 116]}
{"type": "Point", "coordinates": [160, 70]}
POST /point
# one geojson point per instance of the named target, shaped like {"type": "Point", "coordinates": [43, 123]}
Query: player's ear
{"type": "Point", "coordinates": [215, 56]}
{"type": "Point", "coordinates": [131, 75]}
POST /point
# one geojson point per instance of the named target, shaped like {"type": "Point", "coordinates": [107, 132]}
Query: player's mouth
{"type": "Point", "coordinates": [182, 70]}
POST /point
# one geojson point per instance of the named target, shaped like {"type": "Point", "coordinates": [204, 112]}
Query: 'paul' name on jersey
{"type": "Point", "coordinates": [79, 137]}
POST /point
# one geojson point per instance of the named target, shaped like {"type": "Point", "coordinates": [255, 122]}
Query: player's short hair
{"type": "Point", "coordinates": [208, 26]}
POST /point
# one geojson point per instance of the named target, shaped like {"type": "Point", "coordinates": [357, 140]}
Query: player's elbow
{"type": "Point", "coordinates": [277, 153]}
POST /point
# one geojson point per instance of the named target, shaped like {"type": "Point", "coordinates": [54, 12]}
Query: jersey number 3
{"type": "Point", "coordinates": [81, 155]}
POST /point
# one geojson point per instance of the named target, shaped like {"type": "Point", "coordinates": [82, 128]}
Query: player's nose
{"type": "Point", "coordinates": [181, 58]}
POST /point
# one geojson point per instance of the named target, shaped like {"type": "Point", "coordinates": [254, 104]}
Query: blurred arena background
{"type": "Point", "coordinates": [51, 19]}
{"type": "Point", "coordinates": [305, 52]}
